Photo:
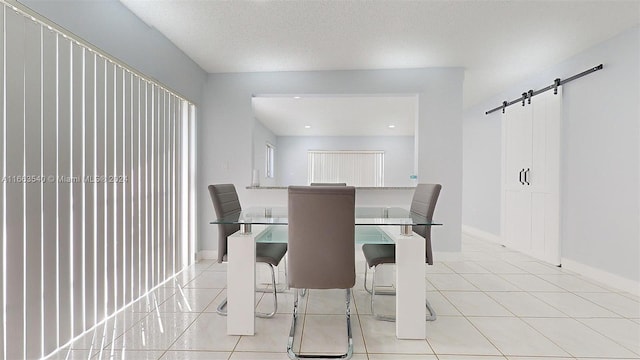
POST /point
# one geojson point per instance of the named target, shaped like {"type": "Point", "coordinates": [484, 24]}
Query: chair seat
{"type": "Point", "coordinates": [377, 254]}
{"type": "Point", "coordinates": [271, 254]}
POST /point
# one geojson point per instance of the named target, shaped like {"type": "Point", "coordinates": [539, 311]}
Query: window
{"type": "Point", "coordinates": [356, 168]}
{"type": "Point", "coordinates": [269, 161]}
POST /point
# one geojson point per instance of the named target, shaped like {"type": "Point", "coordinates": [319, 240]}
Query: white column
{"type": "Point", "coordinates": [241, 282]}
{"type": "Point", "coordinates": [410, 285]}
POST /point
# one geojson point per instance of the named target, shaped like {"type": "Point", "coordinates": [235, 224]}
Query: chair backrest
{"type": "Point", "coordinates": [321, 248]}
{"type": "Point", "coordinates": [328, 184]}
{"type": "Point", "coordinates": [424, 204]}
{"type": "Point", "coordinates": [226, 204]}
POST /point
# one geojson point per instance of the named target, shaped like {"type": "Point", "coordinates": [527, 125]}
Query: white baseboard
{"type": "Point", "coordinates": [481, 234]}
{"type": "Point", "coordinates": [607, 278]}
{"type": "Point", "coordinates": [207, 255]}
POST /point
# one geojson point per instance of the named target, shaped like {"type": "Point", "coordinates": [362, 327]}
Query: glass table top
{"type": "Point", "coordinates": [364, 216]}
{"type": "Point", "coordinates": [363, 235]}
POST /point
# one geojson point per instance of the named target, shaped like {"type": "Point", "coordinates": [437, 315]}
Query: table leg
{"type": "Point", "coordinates": [241, 284]}
{"type": "Point", "coordinates": [410, 287]}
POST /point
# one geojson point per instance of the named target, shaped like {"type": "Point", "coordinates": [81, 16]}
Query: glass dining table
{"type": "Point", "coordinates": [373, 225]}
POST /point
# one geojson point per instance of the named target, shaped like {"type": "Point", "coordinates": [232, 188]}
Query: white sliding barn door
{"type": "Point", "coordinates": [531, 177]}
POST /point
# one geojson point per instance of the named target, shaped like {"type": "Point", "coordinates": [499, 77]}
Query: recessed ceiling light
{"type": "Point", "coordinates": [391, 126]}
{"type": "Point", "coordinates": [296, 97]}
{"type": "Point", "coordinates": [307, 126]}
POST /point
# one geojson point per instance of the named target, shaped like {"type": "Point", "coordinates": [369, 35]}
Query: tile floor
{"type": "Point", "coordinates": [492, 303]}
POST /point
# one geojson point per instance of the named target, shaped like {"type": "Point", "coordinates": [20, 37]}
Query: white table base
{"type": "Point", "coordinates": [410, 283]}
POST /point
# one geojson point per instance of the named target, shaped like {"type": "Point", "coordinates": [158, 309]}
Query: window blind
{"type": "Point", "coordinates": [97, 186]}
{"type": "Point", "coordinates": [356, 168]}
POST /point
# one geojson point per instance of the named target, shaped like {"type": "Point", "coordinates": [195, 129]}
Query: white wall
{"type": "Point", "coordinates": [600, 181]}
{"type": "Point", "coordinates": [292, 163]}
{"type": "Point", "coordinates": [113, 28]}
{"type": "Point", "coordinates": [225, 144]}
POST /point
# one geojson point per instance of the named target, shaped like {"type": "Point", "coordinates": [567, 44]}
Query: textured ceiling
{"type": "Point", "coordinates": [497, 42]}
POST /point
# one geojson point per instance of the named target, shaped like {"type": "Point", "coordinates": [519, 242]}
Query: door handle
{"type": "Point", "coordinates": [520, 177]}
{"type": "Point", "coordinates": [526, 176]}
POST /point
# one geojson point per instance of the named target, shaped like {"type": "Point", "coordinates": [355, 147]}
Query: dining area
{"type": "Point", "coordinates": [316, 237]}
{"type": "Point", "coordinates": [487, 298]}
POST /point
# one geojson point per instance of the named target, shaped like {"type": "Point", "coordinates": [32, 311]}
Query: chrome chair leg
{"type": "Point", "coordinates": [292, 332]}
{"type": "Point", "coordinates": [432, 313]}
{"type": "Point", "coordinates": [222, 308]}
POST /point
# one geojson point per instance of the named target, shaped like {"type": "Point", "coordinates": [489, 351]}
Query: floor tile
{"type": "Point", "coordinates": [189, 300]}
{"type": "Point", "coordinates": [285, 302]}
{"type": "Point", "coordinates": [617, 303]}
{"type": "Point", "coordinates": [578, 339]}
{"type": "Point", "coordinates": [501, 267]}
{"type": "Point", "coordinates": [401, 357]}
{"type": "Point", "coordinates": [467, 357]}
{"type": "Point", "coordinates": [103, 335]}
{"type": "Point", "coordinates": [186, 275]}
{"type": "Point", "coordinates": [466, 267]}
{"type": "Point", "coordinates": [204, 264]}
{"type": "Point", "coordinates": [475, 303]}
{"type": "Point", "coordinates": [209, 280]}
{"type": "Point", "coordinates": [528, 282]}
{"type": "Point", "coordinates": [513, 336]}
{"type": "Point", "coordinates": [450, 282]}
{"type": "Point", "coordinates": [195, 355]}
{"type": "Point", "coordinates": [572, 283]}
{"type": "Point", "coordinates": [540, 358]}
{"type": "Point", "coordinates": [153, 299]}
{"type": "Point", "coordinates": [456, 335]}
{"type": "Point", "coordinates": [385, 304]}
{"type": "Point", "coordinates": [240, 355]}
{"type": "Point", "coordinates": [208, 332]}
{"type": "Point", "coordinates": [327, 334]}
{"type": "Point", "coordinates": [213, 305]}
{"type": "Point", "coordinates": [122, 354]}
{"type": "Point", "coordinates": [524, 304]}
{"type": "Point", "coordinates": [438, 268]}
{"type": "Point", "coordinates": [380, 337]}
{"type": "Point", "coordinates": [326, 302]}
{"type": "Point", "coordinates": [155, 332]}
{"type": "Point", "coordinates": [271, 335]}
{"type": "Point", "coordinates": [490, 282]}
{"type": "Point", "coordinates": [573, 305]}
{"type": "Point", "coordinates": [441, 305]}
{"type": "Point", "coordinates": [623, 331]}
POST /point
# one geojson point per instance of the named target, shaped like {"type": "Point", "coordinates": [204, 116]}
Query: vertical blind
{"type": "Point", "coordinates": [97, 186]}
{"type": "Point", "coordinates": [356, 168]}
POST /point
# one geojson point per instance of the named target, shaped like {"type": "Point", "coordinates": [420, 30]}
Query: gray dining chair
{"type": "Point", "coordinates": [227, 205]}
{"type": "Point", "coordinates": [423, 204]}
{"type": "Point", "coordinates": [321, 249]}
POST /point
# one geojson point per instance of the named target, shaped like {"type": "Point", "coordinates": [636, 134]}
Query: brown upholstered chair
{"type": "Point", "coordinates": [321, 248]}
{"type": "Point", "coordinates": [423, 204]}
{"type": "Point", "coordinates": [226, 204]}
{"type": "Point", "coordinates": [328, 184]}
